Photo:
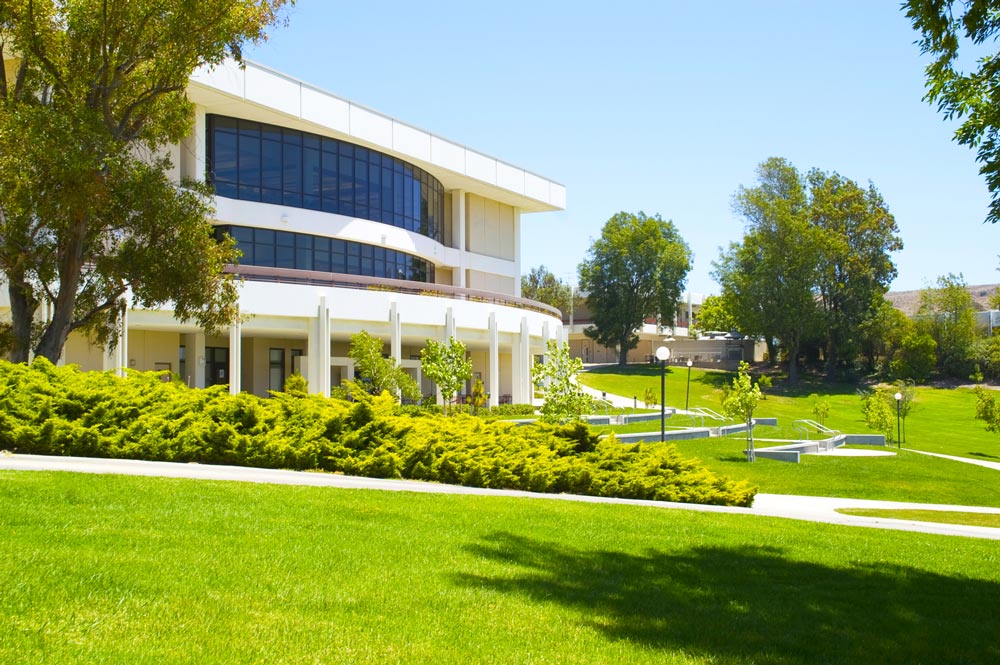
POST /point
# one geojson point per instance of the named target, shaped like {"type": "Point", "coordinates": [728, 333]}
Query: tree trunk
{"type": "Point", "coordinates": [793, 362]}
{"type": "Point", "coordinates": [22, 312]}
{"type": "Point", "coordinates": [772, 350]}
{"type": "Point", "coordinates": [751, 453]}
{"type": "Point", "coordinates": [70, 266]}
{"type": "Point", "coordinates": [622, 355]}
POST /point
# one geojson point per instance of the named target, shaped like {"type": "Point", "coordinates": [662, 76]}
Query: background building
{"type": "Point", "coordinates": [348, 220]}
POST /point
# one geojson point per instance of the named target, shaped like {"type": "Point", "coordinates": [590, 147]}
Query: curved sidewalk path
{"type": "Point", "coordinates": [815, 509]}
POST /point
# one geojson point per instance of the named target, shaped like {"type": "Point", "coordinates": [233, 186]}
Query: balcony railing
{"type": "Point", "coordinates": [342, 281]}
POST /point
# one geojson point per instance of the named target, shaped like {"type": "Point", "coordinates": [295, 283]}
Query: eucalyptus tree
{"type": "Point", "coordinates": [768, 279]}
{"type": "Point", "coordinates": [91, 92]}
{"type": "Point", "coordinates": [636, 270]}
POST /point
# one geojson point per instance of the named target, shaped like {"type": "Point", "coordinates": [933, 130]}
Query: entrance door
{"type": "Point", "coordinates": [216, 365]}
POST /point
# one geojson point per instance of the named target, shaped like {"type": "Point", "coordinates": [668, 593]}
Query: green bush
{"type": "Point", "coordinates": [61, 411]}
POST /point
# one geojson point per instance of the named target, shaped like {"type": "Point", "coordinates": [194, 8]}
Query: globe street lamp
{"type": "Point", "coordinates": [687, 396]}
{"type": "Point", "coordinates": [899, 400]}
{"type": "Point", "coordinates": [663, 355]}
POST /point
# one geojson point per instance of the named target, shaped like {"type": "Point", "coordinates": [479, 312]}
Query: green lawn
{"type": "Point", "coordinates": [115, 569]}
{"type": "Point", "coordinates": [941, 516]}
{"type": "Point", "coordinates": [941, 421]}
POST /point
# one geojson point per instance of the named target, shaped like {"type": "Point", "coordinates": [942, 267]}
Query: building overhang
{"type": "Point", "coordinates": [255, 92]}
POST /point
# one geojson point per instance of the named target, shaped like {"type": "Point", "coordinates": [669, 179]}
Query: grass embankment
{"type": "Point", "coordinates": [942, 421]}
{"type": "Point", "coordinates": [123, 570]}
{"type": "Point", "coordinates": [990, 520]}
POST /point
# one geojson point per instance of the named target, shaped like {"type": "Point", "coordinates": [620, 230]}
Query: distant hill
{"type": "Point", "coordinates": [908, 302]}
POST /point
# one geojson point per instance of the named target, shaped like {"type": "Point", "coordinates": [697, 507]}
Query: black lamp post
{"type": "Point", "coordinates": [687, 396]}
{"type": "Point", "coordinates": [663, 355]}
{"type": "Point", "coordinates": [899, 400]}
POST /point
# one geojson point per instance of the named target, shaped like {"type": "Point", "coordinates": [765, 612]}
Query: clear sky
{"type": "Point", "coordinates": [665, 107]}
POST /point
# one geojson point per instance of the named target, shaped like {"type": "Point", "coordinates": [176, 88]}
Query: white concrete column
{"type": "Point", "coordinates": [123, 341]}
{"type": "Point", "coordinates": [494, 361]}
{"type": "Point", "coordinates": [235, 357]}
{"type": "Point", "coordinates": [196, 359]}
{"type": "Point", "coordinates": [395, 335]}
{"type": "Point", "coordinates": [525, 359]}
{"type": "Point", "coordinates": [318, 348]}
{"type": "Point", "coordinates": [449, 325]}
{"type": "Point", "coordinates": [517, 252]}
{"type": "Point", "coordinates": [458, 233]}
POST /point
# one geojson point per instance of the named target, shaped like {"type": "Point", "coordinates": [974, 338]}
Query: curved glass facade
{"type": "Point", "coordinates": [254, 161]}
{"type": "Point", "coordinates": [299, 251]}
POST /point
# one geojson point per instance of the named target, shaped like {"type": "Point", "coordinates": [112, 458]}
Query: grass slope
{"type": "Point", "coordinates": [116, 569]}
{"type": "Point", "coordinates": [941, 421]}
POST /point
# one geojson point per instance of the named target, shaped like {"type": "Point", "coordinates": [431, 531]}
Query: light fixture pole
{"type": "Point", "coordinates": [687, 396]}
{"type": "Point", "coordinates": [663, 355]}
{"type": "Point", "coordinates": [899, 400]}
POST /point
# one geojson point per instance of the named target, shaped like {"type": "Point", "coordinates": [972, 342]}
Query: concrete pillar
{"type": "Point", "coordinates": [494, 387]}
{"type": "Point", "coordinates": [458, 221]}
{"type": "Point", "coordinates": [517, 252]}
{"type": "Point", "coordinates": [318, 348]}
{"type": "Point", "coordinates": [449, 325]}
{"type": "Point", "coordinates": [235, 357]}
{"type": "Point", "coordinates": [194, 348]}
{"type": "Point", "coordinates": [395, 335]}
{"type": "Point", "coordinates": [525, 360]}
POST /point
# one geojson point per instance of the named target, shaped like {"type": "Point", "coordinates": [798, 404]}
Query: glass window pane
{"type": "Point", "coordinates": [223, 124]}
{"type": "Point", "coordinates": [285, 239]}
{"type": "Point", "coordinates": [311, 173]}
{"type": "Point", "coordinates": [264, 236]}
{"type": "Point", "coordinates": [249, 160]}
{"type": "Point", "coordinates": [284, 257]}
{"type": "Point", "coordinates": [271, 165]}
{"type": "Point", "coordinates": [224, 162]}
{"type": "Point", "coordinates": [292, 168]}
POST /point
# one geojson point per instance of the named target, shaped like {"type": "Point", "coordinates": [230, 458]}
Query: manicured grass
{"type": "Point", "coordinates": [116, 569]}
{"type": "Point", "coordinates": [942, 420]}
{"type": "Point", "coordinates": [940, 516]}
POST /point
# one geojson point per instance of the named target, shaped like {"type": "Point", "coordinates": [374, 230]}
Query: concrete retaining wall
{"type": "Point", "coordinates": [670, 435]}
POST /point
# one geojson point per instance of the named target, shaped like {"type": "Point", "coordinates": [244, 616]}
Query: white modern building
{"type": "Point", "coordinates": [348, 220]}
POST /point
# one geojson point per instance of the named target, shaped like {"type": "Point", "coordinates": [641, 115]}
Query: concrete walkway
{"type": "Point", "coordinates": [967, 460]}
{"type": "Point", "coordinates": [815, 509]}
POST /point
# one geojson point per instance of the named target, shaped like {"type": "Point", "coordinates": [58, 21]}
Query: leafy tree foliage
{"type": "Point", "coordinates": [814, 259]}
{"type": "Point", "coordinates": [636, 270]}
{"type": "Point", "coordinates": [947, 313]}
{"type": "Point", "coordinates": [767, 279]}
{"type": "Point", "coordinates": [715, 315]}
{"type": "Point", "coordinates": [882, 333]}
{"type": "Point", "coordinates": [741, 402]}
{"type": "Point", "coordinates": [447, 366]}
{"type": "Point", "coordinates": [970, 96]}
{"type": "Point", "coordinates": [915, 358]}
{"type": "Point", "coordinates": [987, 409]}
{"type": "Point", "coordinates": [857, 236]}
{"type": "Point", "coordinates": [377, 373]}
{"type": "Point", "coordinates": [565, 401]}
{"type": "Point", "coordinates": [878, 413]}
{"type": "Point", "coordinates": [90, 94]}
{"type": "Point", "coordinates": [541, 285]}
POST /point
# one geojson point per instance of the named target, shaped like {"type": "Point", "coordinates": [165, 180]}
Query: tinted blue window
{"type": "Point", "coordinates": [261, 162]}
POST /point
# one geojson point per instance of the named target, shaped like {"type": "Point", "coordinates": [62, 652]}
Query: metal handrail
{"type": "Point", "coordinates": [803, 425]}
{"type": "Point", "coordinates": [341, 280]}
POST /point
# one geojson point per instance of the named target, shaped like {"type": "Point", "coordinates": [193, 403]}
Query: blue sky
{"type": "Point", "coordinates": [665, 107]}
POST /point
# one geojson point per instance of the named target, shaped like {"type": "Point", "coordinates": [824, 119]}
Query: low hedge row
{"type": "Point", "coordinates": [52, 410]}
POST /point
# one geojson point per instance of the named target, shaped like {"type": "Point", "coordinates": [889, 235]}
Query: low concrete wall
{"type": "Point", "coordinates": [644, 417]}
{"type": "Point", "coordinates": [669, 435]}
{"type": "Point", "coordinates": [779, 455]}
{"type": "Point", "coordinates": [768, 422]}
{"type": "Point", "coordinates": [865, 439]}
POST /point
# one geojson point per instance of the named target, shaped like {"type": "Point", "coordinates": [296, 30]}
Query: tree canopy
{"type": "Point", "coordinates": [636, 270]}
{"type": "Point", "coordinates": [447, 366]}
{"type": "Point", "coordinates": [91, 92]}
{"type": "Point", "coordinates": [376, 372]}
{"type": "Point", "coordinates": [541, 285]}
{"type": "Point", "coordinates": [813, 263]}
{"type": "Point", "coordinates": [970, 96]}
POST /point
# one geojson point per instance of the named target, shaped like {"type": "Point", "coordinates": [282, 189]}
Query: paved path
{"type": "Point", "coordinates": [967, 460]}
{"type": "Point", "coordinates": [815, 509]}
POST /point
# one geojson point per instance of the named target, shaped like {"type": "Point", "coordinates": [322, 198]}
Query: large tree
{"type": "Point", "coordinates": [768, 278]}
{"type": "Point", "coordinates": [857, 236]}
{"type": "Point", "coordinates": [91, 92]}
{"type": "Point", "coordinates": [967, 95]}
{"type": "Point", "coordinates": [634, 271]}
{"type": "Point", "coordinates": [948, 314]}
{"type": "Point", "coordinates": [541, 285]}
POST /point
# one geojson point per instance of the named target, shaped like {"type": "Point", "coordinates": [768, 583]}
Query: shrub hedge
{"type": "Point", "coordinates": [52, 410]}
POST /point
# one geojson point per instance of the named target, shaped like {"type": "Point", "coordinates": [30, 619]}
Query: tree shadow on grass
{"type": "Point", "coordinates": [743, 604]}
{"type": "Point", "coordinates": [984, 455]}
